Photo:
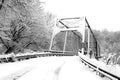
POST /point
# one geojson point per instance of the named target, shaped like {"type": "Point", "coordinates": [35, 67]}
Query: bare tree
{"type": "Point", "coordinates": [24, 24]}
{"type": "Point", "coordinates": [15, 23]}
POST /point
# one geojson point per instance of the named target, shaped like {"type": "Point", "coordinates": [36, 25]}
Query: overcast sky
{"type": "Point", "coordinates": [101, 14]}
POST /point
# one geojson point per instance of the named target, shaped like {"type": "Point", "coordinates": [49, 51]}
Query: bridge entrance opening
{"type": "Point", "coordinates": [68, 35]}
{"type": "Point", "coordinates": [67, 41]}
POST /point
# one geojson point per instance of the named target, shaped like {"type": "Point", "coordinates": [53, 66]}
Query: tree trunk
{"type": "Point", "coordinates": [2, 2]}
{"type": "Point", "coordinates": [9, 50]}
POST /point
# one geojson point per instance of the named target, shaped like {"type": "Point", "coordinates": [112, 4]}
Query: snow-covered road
{"type": "Point", "coordinates": [47, 68]}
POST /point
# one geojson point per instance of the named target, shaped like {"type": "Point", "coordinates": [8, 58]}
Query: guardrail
{"type": "Point", "coordinates": [13, 58]}
{"type": "Point", "coordinates": [70, 53]}
{"type": "Point", "coordinates": [100, 70]}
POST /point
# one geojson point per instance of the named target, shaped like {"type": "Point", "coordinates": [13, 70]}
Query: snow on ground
{"type": "Point", "coordinates": [47, 68]}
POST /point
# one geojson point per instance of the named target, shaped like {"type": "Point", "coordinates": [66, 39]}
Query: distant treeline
{"type": "Point", "coordinates": [109, 41]}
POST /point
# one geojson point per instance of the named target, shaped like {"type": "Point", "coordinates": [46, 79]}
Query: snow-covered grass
{"type": "Point", "coordinates": [47, 68]}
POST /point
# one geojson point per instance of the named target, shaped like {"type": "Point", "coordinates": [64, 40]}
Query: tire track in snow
{"type": "Point", "coordinates": [18, 74]}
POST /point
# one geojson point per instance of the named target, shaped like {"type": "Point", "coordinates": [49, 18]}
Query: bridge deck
{"type": "Point", "coordinates": [48, 68]}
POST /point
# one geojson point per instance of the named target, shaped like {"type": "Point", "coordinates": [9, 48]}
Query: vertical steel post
{"type": "Point", "coordinates": [65, 42]}
{"type": "Point", "coordinates": [53, 35]}
{"type": "Point", "coordinates": [51, 42]}
{"type": "Point", "coordinates": [77, 43]}
{"type": "Point", "coordinates": [88, 40]}
{"type": "Point", "coordinates": [83, 36]}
